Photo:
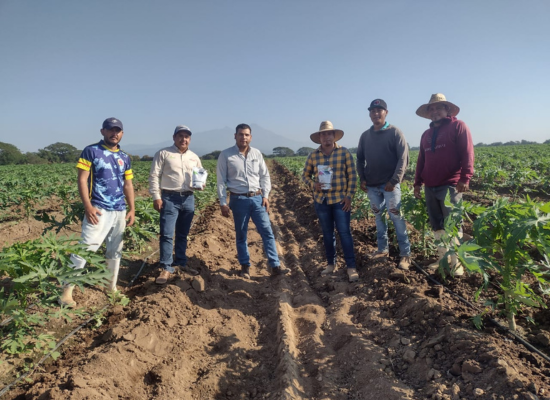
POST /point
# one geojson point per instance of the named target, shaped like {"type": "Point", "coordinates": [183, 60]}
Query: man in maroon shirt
{"type": "Point", "coordinates": [445, 165]}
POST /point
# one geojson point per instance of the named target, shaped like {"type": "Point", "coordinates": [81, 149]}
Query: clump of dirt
{"type": "Point", "coordinates": [391, 335]}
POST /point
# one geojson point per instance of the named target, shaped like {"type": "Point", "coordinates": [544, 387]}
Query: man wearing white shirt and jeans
{"type": "Point", "coordinates": [170, 184]}
{"type": "Point", "coordinates": [242, 170]}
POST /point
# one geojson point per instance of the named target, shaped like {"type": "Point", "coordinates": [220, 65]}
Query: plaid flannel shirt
{"type": "Point", "coordinates": [344, 178]}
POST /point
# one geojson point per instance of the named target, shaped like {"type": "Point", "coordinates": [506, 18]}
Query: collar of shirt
{"type": "Point", "coordinates": [336, 146]}
{"type": "Point", "coordinates": [178, 150]}
{"type": "Point", "coordinates": [386, 126]}
{"type": "Point", "coordinates": [444, 121]}
{"type": "Point", "coordinates": [102, 144]}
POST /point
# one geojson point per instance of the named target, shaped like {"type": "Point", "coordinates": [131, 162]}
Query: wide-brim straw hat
{"type": "Point", "coordinates": [437, 98]}
{"type": "Point", "coordinates": [326, 126]}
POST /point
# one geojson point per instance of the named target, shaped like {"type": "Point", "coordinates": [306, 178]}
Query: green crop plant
{"type": "Point", "coordinates": [504, 237]}
{"type": "Point", "coordinates": [416, 214]}
{"type": "Point", "coordinates": [34, 273]}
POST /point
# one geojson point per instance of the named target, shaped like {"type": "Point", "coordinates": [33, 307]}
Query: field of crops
{"type": "Point", "coordinates": [506, 217]}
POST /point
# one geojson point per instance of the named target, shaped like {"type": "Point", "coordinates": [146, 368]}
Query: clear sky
{"type": "Point", "coordinates": [286, 65]}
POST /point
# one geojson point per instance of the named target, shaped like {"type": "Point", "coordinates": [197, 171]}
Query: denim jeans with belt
{"type": "Point", "coordinates": [244, 208]}
{"type": "Point", "coordinates": [331, 216]}
{"type": "Point", "coordinates": [380, 200]}
{"type": "Point", "coordinates": [176, 213]}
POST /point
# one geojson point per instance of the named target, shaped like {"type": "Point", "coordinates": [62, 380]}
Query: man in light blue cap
{"type": "Point", "coordinates": [170, 184]}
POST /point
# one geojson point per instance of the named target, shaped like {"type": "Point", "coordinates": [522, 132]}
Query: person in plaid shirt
{"type": "Point", "coordinates": [333, 205]}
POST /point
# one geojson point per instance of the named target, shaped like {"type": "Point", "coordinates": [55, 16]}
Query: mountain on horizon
{"type": "Point", "coordinates": [220, 139]}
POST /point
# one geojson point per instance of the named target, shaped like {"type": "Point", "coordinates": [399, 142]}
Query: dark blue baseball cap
{"type": "Point", "coordinates": [378, 103]}
{"type": "Point", "coordinates": [111, 123]}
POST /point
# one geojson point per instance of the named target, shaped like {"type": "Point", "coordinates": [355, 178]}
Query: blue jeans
{"type": "Point", "coordinates": [243, 209]}
{"type": "Point", "coordinates": [379, 201]}
{"type": "Point", "coordinates": [330, 216]}
{"type": "Point", "coordinates": [176, 213]}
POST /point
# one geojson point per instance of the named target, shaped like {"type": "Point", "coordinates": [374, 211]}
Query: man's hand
{"type": "Point", "coordinates": [364, 187]}
{"type": "Point", "coordinates": [130, 217]}
{"type": "Point", "coordinates": [92, 215]}
{"type": "Point", "coordinates": [389, 187]}
{"type": "Point", "coordinates": [265, 203]}
{"type": "Point", "coordinates": [225, 210]}
{"type": "Point", "coordinates": [462, 187]}
{"type": "Point", "coordinates": [417, 193]}
{"type": "Point", "coordinates": [318, 187]}
{"type": "Point", "coordinates": [346, 204]}
{"type": "Point", "coordinates": [157, 205]}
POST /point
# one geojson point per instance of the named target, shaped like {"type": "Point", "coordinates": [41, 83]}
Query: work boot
{"type": "Point", "coordinates": [404, 263]}
{"type": "Point", "coordinates": [113, 265]}
{"type": "Point", "coordinates": [163, 277]}
{"type": "Point", "coordinates": [328, 270]}
{"type": "Point", "coordinates": [279, 271]}
{"type": "Point", "coordinates": [441, 250]}
{"type": "Point", "coordinates": [379, 254]}
{"type": "Point", "coordinates": [456, 267]}
{"type": "Point", "coordinates": [245, 271]}
{"type": "Point", "coordinates": [189, 270]}
{"type": "Point", "coordinates": [353, 276]}
{"type": "Point", "coordinates": [66, 298]}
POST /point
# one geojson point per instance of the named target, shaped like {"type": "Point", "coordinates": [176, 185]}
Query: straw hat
{"type": "Point", "coordinates": [437, 98]}
{"type": "Point", "coordinates": [326, 126]}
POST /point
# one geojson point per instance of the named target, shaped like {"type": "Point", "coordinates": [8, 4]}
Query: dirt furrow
{"type": "Point", "coordinates": [300, 336]}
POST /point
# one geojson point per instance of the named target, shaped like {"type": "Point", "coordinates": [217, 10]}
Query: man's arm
{"type": "Point", "coordinates": [308, 172]}
{"type": "Point", "coordinates": [402, 152]}
{"type": "Point", "coordinates": [128, 190]}
{"type": "Point", "coordinates": [154, 180]}
{"type": "Point", "coordinates": [90, 211]}
{"type": "Point", "coordinates": [221, 176]}
{"type": "Point", "coordinates": [351, 184]}
{"type": "Point", "coordinates": [265, 179]}
{"type": "Point", "coordinates": [465, 149]}
{"type": "Point", "coordinates": [419, 168]}
{"type": "Point", "coordinates": [361, 158]}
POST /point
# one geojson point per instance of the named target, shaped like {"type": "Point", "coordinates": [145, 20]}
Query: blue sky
{"type": "Point", "coordinates": [285, 65]}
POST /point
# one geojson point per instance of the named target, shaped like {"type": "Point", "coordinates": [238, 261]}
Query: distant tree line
{"type": "Point", "coordinates": [510, 143]}
{"type": "Point", "coordinates": [54, 153]}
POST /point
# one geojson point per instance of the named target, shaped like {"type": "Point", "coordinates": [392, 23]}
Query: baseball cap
{"type": "Point", "coordinates": [180, 128]}
{"type": "Point", "coordinates": [111, 123]}
{"type": "Point", "coordinates": [378, 103]}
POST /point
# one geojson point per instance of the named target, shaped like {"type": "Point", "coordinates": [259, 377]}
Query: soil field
{"type": "Point", "coordinates": [391, 335]}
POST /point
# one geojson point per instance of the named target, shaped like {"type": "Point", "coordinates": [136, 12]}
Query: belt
{"type": "Point", "coordinates": [249, 194]}
{"type": "Point", "coordinates": [186, 193]}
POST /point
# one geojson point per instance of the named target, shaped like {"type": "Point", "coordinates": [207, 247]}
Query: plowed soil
{"type": "Point", "coordinates": [391, 335]}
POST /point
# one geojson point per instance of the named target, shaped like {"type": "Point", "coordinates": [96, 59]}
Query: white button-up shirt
{"type": "Point", "coordinates": [172, 170]}
{"type": "Point", "coordinates": [242, 174]}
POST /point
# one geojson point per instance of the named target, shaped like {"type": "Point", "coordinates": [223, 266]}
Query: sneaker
{"type": "Point", "coordinates": [279, 271]}
{"type": "Point", "coordinates": [189, 270]}
{"type": "Point", "coordinates": [379, 254]}
{"type": "Point", "coordinates": [245, 271]}
{"type": "Point", "coordinates": [163, 277]}
{"type": "Point", "coordinates": [328, 270]}
{"type": "Point", "coordinates": [353, 275]}
{"type": "Point", "coordinates": [404, 263]}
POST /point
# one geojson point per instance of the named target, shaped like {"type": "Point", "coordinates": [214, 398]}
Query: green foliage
{"type": "Point", "coordinates": [506, 237]}
{"type": "Point", "coordinates": [416, 214]}
{"type": "Point", "coordinates": [59, 153]}
{"type": "Point", "coordinates": [211, 156]}
{"type": "Point", "coordinates": [304, 151]}
{"type": "Point", "coordinates": [36, 271]}
{"type": "Point", "coordinates": [283, 152]}
{"type": "Point", "coordinates": [9, 154]}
